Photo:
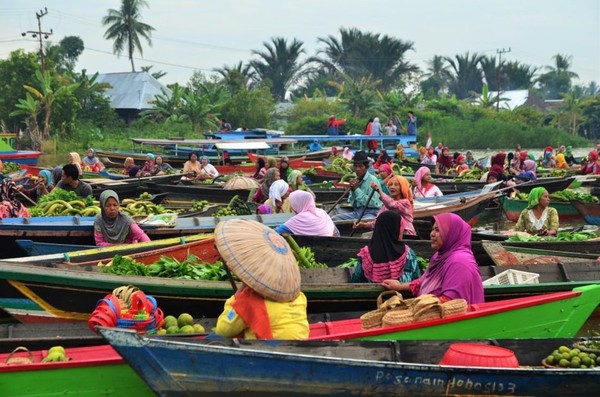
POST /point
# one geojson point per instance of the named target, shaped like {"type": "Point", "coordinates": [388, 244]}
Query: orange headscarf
{"type": "Point", "coordinates": [404, 187]}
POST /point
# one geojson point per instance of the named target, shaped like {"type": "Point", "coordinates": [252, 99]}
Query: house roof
{"type": "Point", "coordinates": [132, 90]}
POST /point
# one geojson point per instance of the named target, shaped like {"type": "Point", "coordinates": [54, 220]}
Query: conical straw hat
{"type": "Point", "coordinates": [241, 182]}
{"type": "Point", "coordinates": [260, 257]}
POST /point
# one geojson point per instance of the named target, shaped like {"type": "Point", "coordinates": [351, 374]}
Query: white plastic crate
{"type": "Point", "coordinates": [511, 276]}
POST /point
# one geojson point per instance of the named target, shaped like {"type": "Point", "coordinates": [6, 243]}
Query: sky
{"type": "Point", "coordinates": [202, 35]}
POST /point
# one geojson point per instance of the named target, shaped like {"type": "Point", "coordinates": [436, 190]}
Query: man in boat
{"type": "Point", "coordinates": [361, 197]}
{"type": "Point", "coordinates": [333, 125]}
{"type": "Point", "coordinates": [225, 126]}
{"type": "Point", "coordinates": [71, 183]}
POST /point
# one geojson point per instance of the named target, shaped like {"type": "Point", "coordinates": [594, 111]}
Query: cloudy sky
{"type": "Point", "coordinates": [202, 35]}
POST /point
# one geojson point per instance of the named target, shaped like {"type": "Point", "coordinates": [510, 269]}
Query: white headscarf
{"type": "Point", "coordinates": [278, 189]}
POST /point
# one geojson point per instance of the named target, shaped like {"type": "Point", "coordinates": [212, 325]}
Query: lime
{"type": "Point", "coordinates": [563, 349]}
{"type": "Point", "coordinates": [563, 363]}
{"type": "Point", "coordinates": [550, 360]}
{"type": "Point", "coordinates": [586, 361]}
{"type": "Point", "coordinates": [185, 319]}
{"type": "Point", "coordinates": [170, 321]}
{"type": "Point", "coordinates": [566, 356]}
{"type": "Point", "coordinates": [592, 356]}
{"type": "Point", "coordinates": [186, 329]}
{"type": "Point", "coordinates": [173, 329]}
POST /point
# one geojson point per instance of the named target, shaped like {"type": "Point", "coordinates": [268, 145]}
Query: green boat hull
{"type": "Point", "coordinates": [552, 320]}
{"type": "Point", "coordinates": [513, 208]}
{"type": "Point", "coordinates": [102, 380]}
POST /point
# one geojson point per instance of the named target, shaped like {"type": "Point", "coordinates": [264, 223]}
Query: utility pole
{"type": "Point", "coordinates": [498, 71]}
{"type": "Point", "coordinates": [40, 34]}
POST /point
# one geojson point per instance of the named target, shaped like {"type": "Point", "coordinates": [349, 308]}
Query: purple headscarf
{"type": "Point", "coordinates": [529, 165]}
{"type": "Point", "coordinates": [452, 270]}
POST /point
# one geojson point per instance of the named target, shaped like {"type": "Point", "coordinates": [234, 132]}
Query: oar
{"type": "Point", "coordinates": [230, 277]}
{"type": "Point", "coordinates": [339, 200]}
{"type": "Point", "coordinates": [362, 213]}
{"type": "Point", "coordinates": [27, 197]}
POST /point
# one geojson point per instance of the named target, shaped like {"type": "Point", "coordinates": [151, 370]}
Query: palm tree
{"type": "Point", "coordinates": [279, 65]}
{"type": "Point", "coordinates": [466, 76]}
{"type": "Point", "coordinates": [557, 80]}
{"type": "Point", "coordinates": [237, 76]}
{"type": "Point", "coordinates": [518, 76]}
{"type": "Point", "coordinates": [366, 55]}
{"type": "Point", "coordinates": [360, 96]}
{"type": "Point", "coordinates": [491, 71]}
{"type": "Point", "coordinates": [437, 75]}
{"type": "Point", "coordinates": [125, 28]}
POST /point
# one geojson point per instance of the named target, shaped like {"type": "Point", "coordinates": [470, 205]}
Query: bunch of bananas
{"type": "Point", "coordinates": [401, 170]}
{"type": "Point", "coordinates": [340, 165]}
{"type": "Point", "coordinates": [473, 174]}
{"type": "Point", "coordinates": [64, 208]}
{"type": "Point", "coordinates": [310, 260]}
{"type": "Point", "coordinates": [142, 207]}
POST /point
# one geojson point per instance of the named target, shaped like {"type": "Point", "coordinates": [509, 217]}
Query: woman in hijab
{"type": "Point", "coordinates": [44, 185]}
{"type": "Point", "coordinates": [591, 166]}
{"type": "Point", "coordinates": [309, 220]}
{"type": "Point", "coordinates": [10, 207]}
{"type": "Point", "coordinates": [261, 169]}
{"type": "Point", "coordinates": [113, 226]}
{"type": "Point", "coordinates": [452, 272]}
{"type": "Point", "coordinates": [460, 164]}
{"type": "Point", "coordinates": [296, 182]}
{"type": "Point", "coordinates": [386, 257]}
{"type": "Point", "coordinates": [423, 186]}
{"type": "Point", "coordinates": [548, 158]}
{"type": "Point", "coordinates": [207, 170]}
{"type": "Point", "coordinates": [130, 168]}
{"type": "Point", "coordinates": [444, 162]}
{"type": "Point", "coordinates": [278, 197]}
{"type": "Point", "coordinates": [57, 175]}
{"type": "Point", "coordinates": [561, 162]}
{"type": "Point", "coordinates": [569, 156]}
{"type": "Point", "coordinates": [262, 194]}
{"type": "Point", "coordinates": [384, 172]}
{"type": "Point", "coordinates": [347, 154]}
{"type": "Point", "coordinates": [538, 218]}
{"type": "Point", "coordinates": [430, 157]}
{"type": "Point", "coordinates": [74, 158]}
{"type": "Point", "coordinates": [399, 200]}
{"type": "Point", "coordinates": [148, 166]}
{"type": "Point", "coordinates": [284, 168]}
{"type": "Point", "coordinates": [529, 171]}
{"type": "Point", "coordinates": [92, 162]}
{"type": "Point", "coordinates": [399, 153]}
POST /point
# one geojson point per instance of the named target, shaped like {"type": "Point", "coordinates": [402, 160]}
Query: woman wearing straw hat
{"type": "Point", "coordinates": [278, 197]}
{"type": "Point", "coordinates": [386, 256]}
{"type": "Point", "coordinates": [269, 305]}
{"type": "Point", "coordinates": [452, 272]}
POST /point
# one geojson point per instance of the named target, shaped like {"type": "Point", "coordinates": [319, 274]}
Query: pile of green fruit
{"type": "Point", "coordinates": [142, 207]}
{"type": "Point", "coordinates": [60, 202]}
{"type": "Point", "coordinates": [568, 195]}
{"type": "Point", "coordinates": [236, 206]}
{"type": "Point", "coordinates": [183, 324]}
{"type": "Point", "coordinates": [401, 170]}
{"type": "Point", "coordinates": [340, 165]}
{"type": "Point", "coordinates": [56, 354]}
{"type": "Point", "coordinates": [565, 357]}
{"type": "Point", "coordinates": [10, 167]}
{"type": "Point", "coordinates": [560, 236]}
{"type": "Point", "coordinates": [473, 174]}
{"type": "Point", "coordinates": [199, 205]}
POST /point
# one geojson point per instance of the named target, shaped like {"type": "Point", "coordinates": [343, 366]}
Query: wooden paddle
{"type": "Point", "coordinates": [362, 213]}
{"type": "Point", "coordinates": [27, 197]}
{"type": "Point", "coordinates": [339, 200]}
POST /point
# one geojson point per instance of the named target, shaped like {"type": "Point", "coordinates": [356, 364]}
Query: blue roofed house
{"type": "Point", "coordinates": [132, 92]}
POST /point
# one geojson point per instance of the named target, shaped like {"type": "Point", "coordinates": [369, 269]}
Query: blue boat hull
{"type": "Point", "coordinates": [33, 248]}
{"type": "Point", "coordinates": [271, 368]}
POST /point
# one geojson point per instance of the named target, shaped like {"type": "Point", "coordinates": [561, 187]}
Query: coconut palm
{"type": "Point", "coordinates": [279, 65]}
{"type": "Point", "coordinates": [363, 55]}
{"type": "Point", "coordinates": [437, 75]}
{"type": "Point", "coordinates": [237, 76]}
{"type": "Point", "coordinates": [125, 28]}
{"type": "Point", "coordinates": [518, 76]}
{"type": "Point", "coordinates": [466, 74]}
{"type": "Point", "coordinates": [557, 80]}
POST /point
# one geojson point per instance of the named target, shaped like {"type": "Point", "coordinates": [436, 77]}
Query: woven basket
{"type": "Point", "coordinates": [453, 307]}
{"type": "Point", "coordinates": [430, 312]}
{"type": "Point", "coordinates": [390, 303]}
{"type": "Point", "coordinates": [10, 360]}
{"type": "Point", "coordinates": [424, 301]}
{"type": "Point", "coordinates": [397, 317]}
{"type": "Point", "coordinates": [373, 319]}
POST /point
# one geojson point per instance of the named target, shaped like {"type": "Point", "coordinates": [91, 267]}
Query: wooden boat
{"type": "Point", "coordinates": [28, 285]}
{"type": "Point", "coordinates": [214, 193]}
{"type": "Point", "coordinates": [94, 370]}
{"type": "Point", "coordinates": [129, 187]}
{"type": "Point", "coordinates": [589, 211]}
{"type": "Point", "coordinates": [513, 208]}
{"type": "Point", "coordinates": [8, 153]}
{"type": "Point", "coordinates": [555, 315]}
{"type": "Point", "coordinates": [340, 368]}
{"type": "Point", "coordinates": [43, 336]}
{"type": "Point", "coordinates": [34, 248]}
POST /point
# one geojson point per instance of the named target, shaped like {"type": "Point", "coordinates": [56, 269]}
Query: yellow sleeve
{"type": "Point", "coordinates": [552, 219]}
{"type": "Point", "coordinates": [229, 324]}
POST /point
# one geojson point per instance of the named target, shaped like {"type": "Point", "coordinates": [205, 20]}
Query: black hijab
{"type": "Point", "coordinates": [384, 246]}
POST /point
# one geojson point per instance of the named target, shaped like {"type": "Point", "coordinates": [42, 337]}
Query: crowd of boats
{"type": "Point", "coordinates": [538, 293]}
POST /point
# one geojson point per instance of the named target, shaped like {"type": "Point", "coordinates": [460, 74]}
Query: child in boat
{"type": "Point", "coordinates": [113, 226]}
{"type": "Point", "coordinates": [386, 256]}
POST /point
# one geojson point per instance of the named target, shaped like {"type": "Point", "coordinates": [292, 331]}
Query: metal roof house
{"type": "Point", "coordinates": [132, 92]}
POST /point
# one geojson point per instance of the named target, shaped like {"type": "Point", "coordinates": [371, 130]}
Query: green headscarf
{"type": "Point", "coordinates": [291, 179]}
{"type": "Point", "coordinates": [568, 150]}
{"type": "Point", "coordinates": [534, 197]}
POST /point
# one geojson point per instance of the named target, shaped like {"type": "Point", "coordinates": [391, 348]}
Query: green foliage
{"type": "Point", "coordinates": [250, 108]}
{"type": "Point", "coordinates": [15, 71]}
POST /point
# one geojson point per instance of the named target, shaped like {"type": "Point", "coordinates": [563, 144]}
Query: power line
{"type": "Point", "coordinates": [39, 33]}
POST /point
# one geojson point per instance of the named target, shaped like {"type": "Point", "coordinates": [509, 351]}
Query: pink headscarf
{"type": "Point", "coordinates": [347, 154]}
{"type": "Point", "coordinates": [529, 165]}
{"type": "Point", "coordinates": [309, 220]}
{"type": "Point", "coordinates": [386, 167]}
{"type": "Point", "coordinates": [421, 172]}
{"type": "Point", "coordinates": [453, 271]}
